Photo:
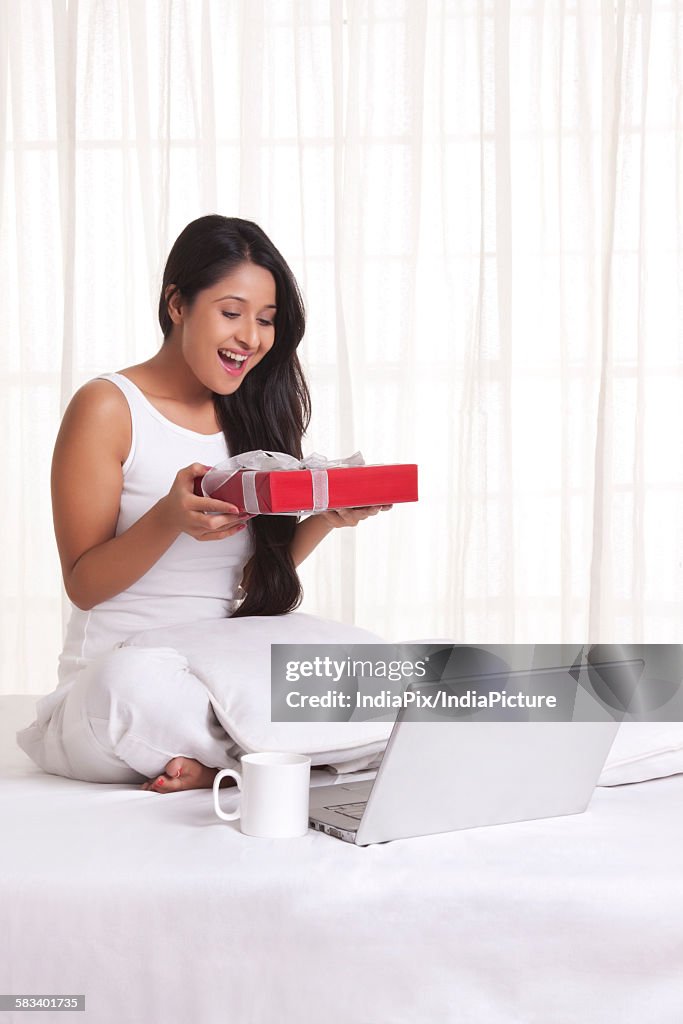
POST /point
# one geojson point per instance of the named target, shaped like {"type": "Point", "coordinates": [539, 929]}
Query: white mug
{"type": "Point", "coordinates": [274, 798]}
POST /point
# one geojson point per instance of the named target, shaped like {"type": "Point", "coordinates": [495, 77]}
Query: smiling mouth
{"type": "Point", "coordinates": [235, 367]}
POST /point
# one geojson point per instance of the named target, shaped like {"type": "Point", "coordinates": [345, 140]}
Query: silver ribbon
{"type": "Point", "coordinates": [268, 462]}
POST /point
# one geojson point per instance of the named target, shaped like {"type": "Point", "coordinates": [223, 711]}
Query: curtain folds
{"type": "Point", "coordinates": [482, 204]}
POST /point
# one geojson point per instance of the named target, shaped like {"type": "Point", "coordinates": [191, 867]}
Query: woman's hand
{"type": "Point", "coordinates": [188, 513]}
{"type": "Point", "coordinates": [350, 516]}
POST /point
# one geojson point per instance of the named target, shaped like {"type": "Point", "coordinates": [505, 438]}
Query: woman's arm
{"type": "Point", "coordinates": [87, 481]}
{"type": "Point", "coordinates": [308, 534]}
{"type": "Point", "coordinates": [311, 531]}
{"type": "Point", "coordinates": [86, 492]}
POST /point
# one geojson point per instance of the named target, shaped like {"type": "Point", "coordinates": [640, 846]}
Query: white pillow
{"type": "Point", "coordinates": [642, 751]}
{"type": "Point", "coordinates": [231, 657]}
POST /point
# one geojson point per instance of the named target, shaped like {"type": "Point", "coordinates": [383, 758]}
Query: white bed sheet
{"type": "Point", "coordinates": [159, 912]}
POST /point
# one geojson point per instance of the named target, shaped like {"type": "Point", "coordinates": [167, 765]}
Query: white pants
{"type": "Point", "coordinates": [125, 715]}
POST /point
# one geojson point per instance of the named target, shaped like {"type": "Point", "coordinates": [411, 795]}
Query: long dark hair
{"type": "Point", "coordinates": [272, 407]}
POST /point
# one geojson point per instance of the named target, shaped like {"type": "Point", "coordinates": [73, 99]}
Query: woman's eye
{"type": "Point", "coordinates": [232, 316]}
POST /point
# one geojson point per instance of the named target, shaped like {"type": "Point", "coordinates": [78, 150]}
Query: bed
{"type": "Point", "coordinates": [159, 912]}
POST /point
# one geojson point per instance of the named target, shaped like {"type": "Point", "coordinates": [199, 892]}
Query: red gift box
{"type": "Point", "coordinates": [282, 491]}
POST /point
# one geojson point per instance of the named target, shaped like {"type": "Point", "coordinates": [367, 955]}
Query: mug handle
{"type": "Point", "coordinates": [216, 783]}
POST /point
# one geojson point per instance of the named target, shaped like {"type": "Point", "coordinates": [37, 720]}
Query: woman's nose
{"type": "Point", "coordinates": [248, 333]}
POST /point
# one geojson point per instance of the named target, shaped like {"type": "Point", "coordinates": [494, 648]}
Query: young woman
{"type": "Point", "coordinates": [138, 549]}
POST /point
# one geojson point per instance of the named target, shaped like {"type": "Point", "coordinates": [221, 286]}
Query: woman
{"type": "Point", "coordinates": [138, 549]}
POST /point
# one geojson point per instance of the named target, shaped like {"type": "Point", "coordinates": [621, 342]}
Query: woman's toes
{"type": "Point", "coordinates": [162, 784]}
{"type": "Point", "coordinates": [168, 782]}
{"type": "Point", "coordinates": [182, 773]}
{"type": "Point", "coordinates": [178, 767]}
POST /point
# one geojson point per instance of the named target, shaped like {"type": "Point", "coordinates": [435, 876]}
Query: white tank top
{"type": "Point", "coordinates": [192, 580]}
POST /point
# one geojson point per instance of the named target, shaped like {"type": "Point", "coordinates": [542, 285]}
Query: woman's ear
{"type": "Point", "coordinates": [174, 303]}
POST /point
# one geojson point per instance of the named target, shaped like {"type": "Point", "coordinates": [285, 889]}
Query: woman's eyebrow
{"type": "Point", "coordinates": [240, 299]}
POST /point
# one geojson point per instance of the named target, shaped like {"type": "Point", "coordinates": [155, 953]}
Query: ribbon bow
{"type": "Point", "coordinates": [261, 461]}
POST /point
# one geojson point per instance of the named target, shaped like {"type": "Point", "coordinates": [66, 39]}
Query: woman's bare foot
{"type": "Point", "coordinates": [184, 773]}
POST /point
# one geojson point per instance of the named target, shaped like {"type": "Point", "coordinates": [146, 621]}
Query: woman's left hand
{"type": "Point", "coordinates": [351, 516]}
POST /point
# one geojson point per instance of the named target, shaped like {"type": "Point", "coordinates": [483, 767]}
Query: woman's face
{"type": "Point", "coordinates": [230, 327]}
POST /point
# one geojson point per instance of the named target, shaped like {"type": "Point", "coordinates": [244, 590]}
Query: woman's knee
{"type": "Point", "coordinates": [130, 675]}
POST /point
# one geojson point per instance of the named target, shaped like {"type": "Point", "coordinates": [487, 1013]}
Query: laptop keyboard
{"type": "Point", "coordinates": [354, 811]}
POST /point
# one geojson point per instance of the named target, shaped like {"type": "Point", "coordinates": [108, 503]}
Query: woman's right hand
{"type": "Point", "coordinates": [187, 512]}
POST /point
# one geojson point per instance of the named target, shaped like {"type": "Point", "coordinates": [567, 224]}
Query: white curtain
{"type": "Point", "coordinates": [483, 204]}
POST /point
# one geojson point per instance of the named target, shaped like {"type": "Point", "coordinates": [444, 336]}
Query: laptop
{"type": "Point", "coordinates": [442, 776]}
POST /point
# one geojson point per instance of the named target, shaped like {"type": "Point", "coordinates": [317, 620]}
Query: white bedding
{"type": "Point", "coordinates": [159, 912]}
